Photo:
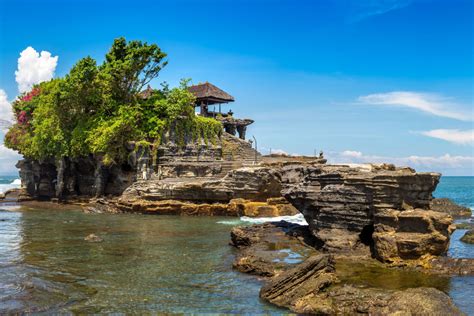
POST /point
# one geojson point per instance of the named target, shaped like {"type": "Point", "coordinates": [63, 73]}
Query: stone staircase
{"type": "Point", "coordinates": [237, 153]}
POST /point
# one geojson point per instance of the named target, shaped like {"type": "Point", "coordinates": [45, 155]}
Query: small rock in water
{"type": "Point", "coordinates": [468, 237]}
{"type": "Point", "coordinates": [93, 238]}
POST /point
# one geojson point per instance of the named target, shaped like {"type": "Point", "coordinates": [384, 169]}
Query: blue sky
{"type": "Point", "coordinates": [366, 80]}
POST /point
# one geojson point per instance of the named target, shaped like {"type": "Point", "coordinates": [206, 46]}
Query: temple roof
{"type": "Point", "coordinates": [210, 94]}
{"type": "Point", "coordinates": [145, 94]}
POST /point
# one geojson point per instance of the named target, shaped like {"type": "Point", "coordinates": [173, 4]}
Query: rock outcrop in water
{"type": "Point", "coordinates": [380, 206]}
{"type": "Point", "coordinates": [242, 192]}
{"type": "Point", "coordinates": [468, 237]}
{"type": "Point", "coordinates": [312, 287]}
{"type": "Point", "coordinates": [445, 205]}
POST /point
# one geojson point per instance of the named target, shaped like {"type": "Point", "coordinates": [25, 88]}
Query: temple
{"type": "Point", "coordinates": [208, 95]}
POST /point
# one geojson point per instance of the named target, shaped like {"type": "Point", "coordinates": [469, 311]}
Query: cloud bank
{"type": "Point", "coordinates": [6, 114]}
{"type": "Point", "coordinates": [426, 102]}
{"type": "Point", "coordinates": [462, 165]}
{"type": "Point", "coordinates": [452, 135]}
{"type": "Point", "coordinates": [34, 67]}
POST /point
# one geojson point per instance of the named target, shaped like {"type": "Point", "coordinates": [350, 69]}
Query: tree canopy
{"type": "Point", "coordinates": [97, 109]}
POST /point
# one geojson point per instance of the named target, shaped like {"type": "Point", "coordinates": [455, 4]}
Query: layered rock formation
{"type": "Point", "coordinates": [410, 234]}
{"type": "Point", "coordinates": [445, 205]}
{"type": "Point", "coordinates": [383, 206]}
{"type": "Point", "coordinates": [242, 192]}
{"type": "Point", "coordinates": [313, 287]}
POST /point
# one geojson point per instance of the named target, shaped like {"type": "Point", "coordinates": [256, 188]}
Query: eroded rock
{"type": "Point", "coordinates": [313, 275]}
{"type": "Point", "coordinates": [267, 249]}
{"type": "Point", "coordinates": [410, 234]}
{"type": "Point", "coordinates": [445, 205]}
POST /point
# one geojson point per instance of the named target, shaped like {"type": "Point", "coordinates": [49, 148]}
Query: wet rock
{"type": "Point", "coordinates": [421, 301]}
{"type": "Point", "coordinates": [446, 205]}
{"type": "Point", "coordinates": [410, 234]}
{"type": "Point", "coordinates": [451, 266]}
{"type": "Point", "coordinates": [313, 275]}
{"type": "Point", "coordinates": [270, 208]}
{"type": "Point", "coordinates": [93, 238]}
{"type": "Point", "coordinates": [352, 300]}
{"type": "Point", "coordinates": [256, 265]}
{"type": "Point", "coordinates": [468, 237]}
{"type": "Point", "coordinates": [267, 249]}
{"type": "Point", "coordinates": [465, 225]}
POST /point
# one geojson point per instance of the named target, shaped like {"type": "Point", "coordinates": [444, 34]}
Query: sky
{"type": "Point", "coordinates": [362, 80]}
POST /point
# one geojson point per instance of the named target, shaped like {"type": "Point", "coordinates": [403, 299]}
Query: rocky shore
{"type": "Point", "coordinates": [362, 215]}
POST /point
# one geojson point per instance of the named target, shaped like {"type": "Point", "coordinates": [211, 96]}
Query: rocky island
{"type": "Point", "coordinates": [98, 138]}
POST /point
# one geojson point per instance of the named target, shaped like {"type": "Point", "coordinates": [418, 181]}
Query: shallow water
{"type": "Point", "coordinates": [145, 263]}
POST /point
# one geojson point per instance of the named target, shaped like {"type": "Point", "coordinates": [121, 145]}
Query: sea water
{"type": "Point", "coordinates": [153, 263]}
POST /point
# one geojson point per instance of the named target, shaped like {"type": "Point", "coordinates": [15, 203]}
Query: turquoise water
{"type": "Point", "coordinates": [459, 189]}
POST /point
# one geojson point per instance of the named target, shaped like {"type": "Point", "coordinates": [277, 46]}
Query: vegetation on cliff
{"type": "Point", "coordinates": [97, 109]}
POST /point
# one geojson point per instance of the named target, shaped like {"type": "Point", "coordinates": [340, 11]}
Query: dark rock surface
{"type": "Point", "coordinates": [312, 287]}
{"type": "Point", "coordinates": [267, 249]}
{"type": "Point", "coordinates": [351, 300]}
{"type": "Point", "coordinates": [313, 275]}
{"type": "Point", "coordinates": [381, 206]}
{"type": "Point", "coordinates": [445, 205]}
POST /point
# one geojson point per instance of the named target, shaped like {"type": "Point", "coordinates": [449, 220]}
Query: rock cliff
{"type": "Point", "coordinates": [387, 208]}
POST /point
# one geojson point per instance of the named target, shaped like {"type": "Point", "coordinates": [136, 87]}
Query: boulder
{"type": "Point", "coordinates": [351, 300]}
{"type": "Point", "coordinates": [267, 249]}
{"type": "Point", "coordinates": [445, 205]}
{"type": "Point", "coordinates": [468, 237]}
{"type": "Point", "coordinates": [410, 234]}
{"type": "Point", "coordinates": [313, 275]}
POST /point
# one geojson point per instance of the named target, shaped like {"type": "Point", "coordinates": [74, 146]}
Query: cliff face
{"type": "Point", "coordinates": [72, 178]}
{"type": "Point", "coordinates": [381, 206]}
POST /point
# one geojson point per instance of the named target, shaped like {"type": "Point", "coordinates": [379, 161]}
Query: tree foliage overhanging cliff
{"type": "Point", "coordinates": [96, 109]}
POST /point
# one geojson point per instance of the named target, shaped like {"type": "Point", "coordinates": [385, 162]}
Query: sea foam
{"type": "Point", "coordinates": [15, 184]}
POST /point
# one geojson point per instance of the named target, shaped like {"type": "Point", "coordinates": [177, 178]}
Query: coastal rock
{"type": "Point", "coordinates": [451, 266]}
{"type": "Point", "coordinates": [448, 206]}
{"type": "Point", "coordinates": [313, 275]}
{"type": "Point", "coordinates": [468, 237]}
{"type": "Point", "coordinates": [251, 183]}
{"type": "Point", "coordinates": [343, 204]}
{"type": "Point", "coordinates": [270, 208]}
{"type": "Point", "coordinates": [410, 234]}
{"type": "Point", "coordinates": [351, 300]}
{"type": "Point", "coordinates": [267, 249]}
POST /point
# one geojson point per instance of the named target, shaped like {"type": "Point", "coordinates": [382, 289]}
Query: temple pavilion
{"type": "Point", "coordinates": [208, 95]}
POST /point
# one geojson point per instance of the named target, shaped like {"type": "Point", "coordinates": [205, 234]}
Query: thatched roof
{"type": "Point", "coordinates": [210, 94]}
{"type": "Point", "coordinates": [145, 94]}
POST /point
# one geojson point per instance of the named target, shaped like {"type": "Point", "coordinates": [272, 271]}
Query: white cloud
{"type": "Point", "coordinates": [34, 67]}
{"type": "Point", "coordinates": [6, 114]}
{"type": "Point", "coordinates": [351, 153]}
{"type": "Point", "coordinates": [8, 159]}
{"type": "Point", "coordinates": [446, 163]}
{"type": "Point", "coordinates": [426, 102]}
{"type": "Point", "coordinates": [369, 9]}
{"type": "Point", "coordinates": [279, 152]}
{"type": "Point", "coordinates": [452, 135]}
